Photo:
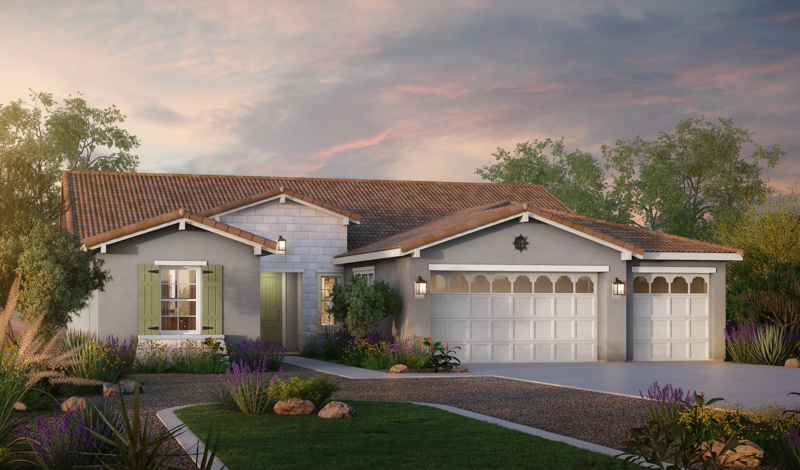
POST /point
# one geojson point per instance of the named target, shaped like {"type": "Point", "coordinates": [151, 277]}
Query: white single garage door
{"type": "Point", "coordinates": [528, 317]}
{"type": "Point", "coordinates": [670, 317]}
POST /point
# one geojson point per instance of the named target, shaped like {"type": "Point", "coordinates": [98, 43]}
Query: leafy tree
{"type": "Point", "coordinates": [576, 178]}
{"type": "Point", "coordinates": [683, 181]}
{"type": "Point", "coordinates": [361, 306]}
{"type": "Point", "coordinates": [58, 277]}
{"type": "Point", "coordinates": [41, 138]}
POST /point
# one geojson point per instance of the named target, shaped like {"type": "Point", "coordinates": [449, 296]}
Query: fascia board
{"type": "Point", "coordinates": [190, 222]}
{"type": "Point", "coordinates": [673, 270]}
{"type": "Point", "coordinates": [515, 268]}
{"type": "Point", "coordinates": [395, 253]}
{"type": "Point", "coordinates": [661, 256]}
{"type": "Point", "coordinates": [284, 196]}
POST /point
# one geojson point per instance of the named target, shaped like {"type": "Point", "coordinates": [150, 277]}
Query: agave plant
{"type": "Point", "coordinates": [772, 345]}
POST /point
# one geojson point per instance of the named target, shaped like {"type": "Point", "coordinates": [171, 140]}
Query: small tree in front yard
{"type": "Point", "coordinates": [361, 306]}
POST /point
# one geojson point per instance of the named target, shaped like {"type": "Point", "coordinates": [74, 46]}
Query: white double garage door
{"type": "Point", "coordinates": [559, 325]}
{"type": "Point", "coordinates": [534, 318]}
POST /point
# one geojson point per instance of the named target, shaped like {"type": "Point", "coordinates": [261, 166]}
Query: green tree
{"type": "Point", "coordinates": [58, 277]}
{"type": "Point", "coordinates": [576, 178]}
{"type": "Point", "coordinates": [361, 306]}
{"type": "Point", "coordinates": [41, 138]}
{"type": "Point", "coordinates": [683, 181]}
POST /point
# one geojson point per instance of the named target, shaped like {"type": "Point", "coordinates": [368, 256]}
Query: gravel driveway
{"type": "Point", "coordinates": [594, 417]}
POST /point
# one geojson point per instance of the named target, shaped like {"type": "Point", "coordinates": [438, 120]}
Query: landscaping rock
{"type": "Point", "coordinates": [129, 386]}
{"type": "Point", "coordinates": [746, 450]}
{"type": "Point", "coordinates": [110, 390]}
{"type": "Point", "coordinates": [398, 369]}
{"type": "Point", "coordinates": [460, 369]}
{"type": "Point", "coordinates": [73, 404]}
{"type": "Point", "coordinates": [792, 363]}
{"type": "Point", "coordinates": [294, 406]}
{"type": "Point", "coordinates": [337, 410]}
{"type": "Point", "coordinates": [19, 406]}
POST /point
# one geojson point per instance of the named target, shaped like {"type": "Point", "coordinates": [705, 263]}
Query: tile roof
{"type": "Point", "coordinates": [635, 239]}
{"type": "Point", "coordinates": [175, 215]}
{"type": "Point", "coordinates": [96, 203]}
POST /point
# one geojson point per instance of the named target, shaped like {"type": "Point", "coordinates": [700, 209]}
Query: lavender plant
{"type": "Point", "coordinates": [760, 344]}
{"type": "Point", "coordinates": [739, 340]}
{"type": "Point", "coordinates": [65, 442]}
{"type": "Point", "coordinates": [408, 352]}
{"type": "Point", "coordinates": [252, 351]}
{"type": "Point", "coordinates": [248, 388]}
{"type": "Point", "coordinates": [665, 405]}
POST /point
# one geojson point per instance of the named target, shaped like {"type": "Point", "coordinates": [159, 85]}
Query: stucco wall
{"type": "Point", "coordinates": [494, 245]}
{"type": "Point", "coordinates": [313, 238]}
{"type": "Point", "coordinates": [117, 310]}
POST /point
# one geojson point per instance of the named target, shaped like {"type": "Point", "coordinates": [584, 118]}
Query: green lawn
{"type": "Point", "coordinates": [384, 436]}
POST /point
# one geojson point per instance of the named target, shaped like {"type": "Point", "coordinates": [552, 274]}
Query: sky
{"type": "Point", "coordinates": [415, 90]}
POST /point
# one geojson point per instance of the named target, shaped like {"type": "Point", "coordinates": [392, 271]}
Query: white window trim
{"type": "Point", "coordinates": [367, 272]}
{"type": "Point", "coordinates": [180, 263]}
{"type": "Point", "coordinates": [199, 302]}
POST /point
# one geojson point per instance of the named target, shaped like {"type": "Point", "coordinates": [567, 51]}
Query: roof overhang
{"type": "Point", "coordinates": [664, 256]}
{"type": "Point", "coordinates": [258, 249]}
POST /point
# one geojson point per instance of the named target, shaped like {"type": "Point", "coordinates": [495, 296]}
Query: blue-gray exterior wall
{"type": "Point", "coordinates": [117, 307]}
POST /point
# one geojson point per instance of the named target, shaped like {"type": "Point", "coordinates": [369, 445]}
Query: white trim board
{"type": "Point", "coordinates": [180, 263]}
{"type": "Point", "coordinates": [282, 199]}
{"type": "Point", "coordinates": [673, 270]}
{"type": "Point", "coordinates": [692, 256]}
{"type": "Point", "coordinates": [394, 253]}
{"type": "Point", "coordinates": [528, 268]}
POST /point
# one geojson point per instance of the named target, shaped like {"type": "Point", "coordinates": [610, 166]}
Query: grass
{"type": "Point", "coordinates": [385, 435]}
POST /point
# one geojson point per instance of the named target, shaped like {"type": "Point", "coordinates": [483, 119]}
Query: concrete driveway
{"type": "Point", "coordinates": [752, 385]}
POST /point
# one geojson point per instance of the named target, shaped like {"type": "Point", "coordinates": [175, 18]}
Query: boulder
{"type": "Point", "coordinates": [460, 369]}
{"type": "Point", "coordinates": [73, 404]}
{"type": "Point", "coordinates": [129, 386]}
{"type": "Point", "coordinates": [110, 390]}
{"type": "Point", "coordinates": [398, 369]}
{"type": "Point", "coordinates": [337, 410]}
{"type": "Point", "coordinates": [294, 406]}
{"type": "Point", "coordinates": [746, 451]}
{"type": "Point", "coordinates": [19, 406]}
{"type": "Point", "coordinates": [792, 363]}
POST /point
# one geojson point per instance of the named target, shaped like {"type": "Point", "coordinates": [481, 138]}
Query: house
{"type": "Point", "coordinates": [506, 272]}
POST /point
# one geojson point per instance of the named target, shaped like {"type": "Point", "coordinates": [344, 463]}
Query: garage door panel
{"type": "Point", "coordinates": [458, 306]}
{"type": "Point", "coordinates": [544, 306]}
{"type": "Point", "coordinates": [544, 330]}
{"type": "Point", "coordinates": [501, 331]}
{"type": "Point", "coordinates": [565, 352]}
{"type": "Point", "coordinates": [543, 351]}
{"type": "Point", "coordinates": [523, 330]}
{"type": "Point", "coordinates": [699, 307]}
{"type": "Point", "coordinates": [523, 352]}
{"type": "Point", "coordinates": [523, 306]}
{"type": "Point", "coordinates": [564, 306]}
{"type": "Point", "coordinates": [585, 330]}
{"type": "Point", "coordinates": [501, 307]}
{"type": "Point", "coordinates": [586, 352]}
{"type": "Point", "coordinates": [479, 330]}
{"type": "Point", "coordinates": [642, 329]}
{"type": "Point", "coordinates": [680, 307]}
{"type": "Point", "coordinates": [585, 306]}
{"type": "Point", "coordinates": [660, 306]}
{"type": "Point", "coordinates": [564, 329]}
{"type": "Point", "coordinates": [459, 329]}
{"type": "Point", "coordinates": [439, 328]}
{"type": "Point", "coordinates": [698, 329]}
{"type": "Point", "coordinates": [481, 307]}
{"type": "Point", "coordinates": [642, 306]}
{"type": "Point", "coordinates": [698, 351]}
{"type": "Point", "coordinates": [500, 352]}
{"type": "Point", "coordinates": [480, 353]}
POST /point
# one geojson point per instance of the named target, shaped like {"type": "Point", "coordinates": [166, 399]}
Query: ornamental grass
{"type": "Point", "coordinates": [761, 344]}
{"type": "Point", "coordinates": [250, 388]}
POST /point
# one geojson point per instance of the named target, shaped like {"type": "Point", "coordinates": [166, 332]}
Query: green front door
{"type": "Point", "coordinates": [271, 302]}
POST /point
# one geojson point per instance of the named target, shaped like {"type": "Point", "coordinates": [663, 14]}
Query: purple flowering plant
{"type": "Point", "coordinates": [739, 341]}
{"type": "Point", "coordinates": [250, 388]}
{"type": "Point", "coordinates": [665, 404]}
{"type": "Point", "coordinates": [64, 441]}
{"type": "Point", "coordinates": [255, 350]}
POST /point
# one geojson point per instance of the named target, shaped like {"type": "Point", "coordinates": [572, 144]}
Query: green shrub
{"type": "Point", "coordinates": [771, 296]}
{"type": "Point", "coordinates": [377, 361]}
{"type": "Point", "coordinates": [151, 358]}
{"type": "Point", "coordinates": [316, 390]}
{"type": "Point", "coordinates": [361, 306]}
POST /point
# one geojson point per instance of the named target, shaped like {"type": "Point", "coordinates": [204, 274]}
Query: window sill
{"type": "Point", "coordinates": [190, 336]}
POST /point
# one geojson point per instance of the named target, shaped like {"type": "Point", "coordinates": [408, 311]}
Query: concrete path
{"type": "Point", "coordinates": [752, 385]}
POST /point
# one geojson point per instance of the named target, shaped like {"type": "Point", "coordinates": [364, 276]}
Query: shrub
{"type": "Point", "coordinates": [407, 352]}
{"type": "Point", "coordinates": [792, 446]}
{"type": "Point", "coordinates": [309, 346]}
{"type": "Point", "coordinates": [206, 357]}
{"type": "Point", "coordinates": [152, 357]}
{"type": "Point", "coordinates": [772, 345]}
{"type": "Point", "coordinates": [251, 351]}
{"type": "Point", "coordinates": [377, 361]}
{"type": "Point", "coordinates": [665, 405]}
{"type": "Point", "coordinates": [249, 391]}
{"type": "Point", "coordinates": [98, 360]}
{"type": "Point", "coordinates": [316, 390]}
{"type": "Point", "coordinates": [361, 306]}
{"type": "Point", "coordinates": [359, 350]}
{"type": "Point", "coordinates": [440, 357]}
{"type": "Point", "coordinates": [739, 342]}
{"type": "Point", "coordinates": [65, 442]}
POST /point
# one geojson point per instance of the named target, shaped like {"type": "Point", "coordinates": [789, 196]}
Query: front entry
{"type": "Point", "coordinates": [271, 302]}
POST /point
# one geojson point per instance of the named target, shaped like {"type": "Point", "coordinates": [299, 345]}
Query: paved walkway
{"type": "Point", "coordinates": [752, 385]}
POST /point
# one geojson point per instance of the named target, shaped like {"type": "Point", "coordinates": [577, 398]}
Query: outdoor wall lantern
{"type": "Point", "coordinates": [618, 288]}
{"type": "Point", "coordinates": [420, 286]}
{"type": "Point", "coordinates": [281, 243]}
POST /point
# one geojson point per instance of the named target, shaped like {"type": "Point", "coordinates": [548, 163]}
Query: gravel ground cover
{"type": "Point", "coordinates": [594, 417]}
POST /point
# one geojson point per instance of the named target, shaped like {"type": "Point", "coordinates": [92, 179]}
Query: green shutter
{"type": "Point", "coordinates": [212, 300]}
{"type": "Point", "coordinates": [149, 308]}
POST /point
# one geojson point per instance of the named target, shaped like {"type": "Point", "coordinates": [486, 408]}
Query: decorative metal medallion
{"type": "Point", "coordinates": [521, 243]}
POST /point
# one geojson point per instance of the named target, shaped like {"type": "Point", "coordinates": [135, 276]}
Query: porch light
{"type": "Point", "coordinates": [420, 286]}
{"type": "Point", "coordinates": [618, 288]}
{"type": "Point", "coordinates": [281, 243]}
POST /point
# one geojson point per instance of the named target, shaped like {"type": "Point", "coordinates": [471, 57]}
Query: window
{"type": "Point", "coordinates": [438, 284]}
{"type": "Point", "coordinates": [179, 298]}
{"type": "Point", "coordinates": [480, 285]}
{"type": "Point", "coordinates": [367, 273]}
{"type": "Point", "coordinates": [501, 285]}
{"type": "Point", "coordinates": [326, 290]}
{"type": "Point", "coordinates": [640, 285]}
{"type": "Point", "coordinates": [523, 285]}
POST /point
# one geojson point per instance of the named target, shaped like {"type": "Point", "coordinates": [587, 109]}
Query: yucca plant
{"type": "Point", "coordinates": [772, 345]}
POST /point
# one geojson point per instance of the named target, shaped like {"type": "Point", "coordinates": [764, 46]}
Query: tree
{"type": "Point", "coordinates": [576, 178]}
{"type": "Point", "coordinates": [41, 138]}
{"type": "Point", "coordinates": [683, 181]}
{"type": "Point", "coordinates": [58, 277]}
{"type": "Point", "coordinates": [361, 306]}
